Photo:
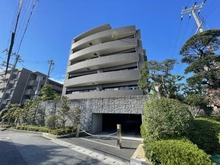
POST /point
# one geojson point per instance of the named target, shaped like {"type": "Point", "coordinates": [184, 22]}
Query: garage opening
{"type": "Point", "coordinates": [130, 123]}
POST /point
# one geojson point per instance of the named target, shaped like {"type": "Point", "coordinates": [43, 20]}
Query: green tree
{"type": "Point", "coordinates": [47, 93]}
{"type": "Point", "coordinates": [199, 53]}
{"type": "Point", "coordinates": [33, 113]}
{"type": "Point", "coordinates": [51, 122]}
{"type": "Point", "coordinates": [63, 111]}
{"type": "Point", "coordinates": [27, 109]}
{"type": "Point", "coordinates": [165, 118]}
{"type": "Point", "coordinates": [156, 78]}
{"type": "Point", "coordinates": [13, 114]}
{"type": "Point", "coordinates": [76, 115]}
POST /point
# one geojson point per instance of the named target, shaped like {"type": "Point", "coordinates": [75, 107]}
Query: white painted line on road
{"type": "Point", "coordinates": [4, 138]}
{"type": "Point", "coordinates": [99, 143]}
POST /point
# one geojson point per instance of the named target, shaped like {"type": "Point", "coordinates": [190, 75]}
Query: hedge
{"type": "Point", "coordinates": [63, 131]}
{"type": "Point", "coordinates": [166, 118]}
{"type": "Point", "coordinates": [176, 152]}
{"type": "Point", "coordinates": [33, 128]}
{"type": "Point", "coordinates": [206, 134]}
{"type": "Point", "coordinates": [58, 131]}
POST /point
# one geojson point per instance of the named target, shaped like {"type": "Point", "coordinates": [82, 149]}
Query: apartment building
{"type": "Point", "coordinates": [104, 63]}
{"type": "Point", "coordinates": [23, 85]}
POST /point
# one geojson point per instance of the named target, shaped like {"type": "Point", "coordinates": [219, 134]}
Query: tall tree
{"type": "Point", "coordinates": [47, 93]}
{"type": "Point", "coordinates": [204, 63]}
{"type": "Point", "coordinates": [63, 111]}
{"type": "Point", "coordinates": [156, 77]}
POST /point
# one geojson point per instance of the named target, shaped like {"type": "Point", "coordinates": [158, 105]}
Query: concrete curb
{"type": "Point", "coordinates": [24, 131]}
{"type": "Point", "coordinates": [101, 157]}
{"type": "Point", "coordinates": [135, 161]}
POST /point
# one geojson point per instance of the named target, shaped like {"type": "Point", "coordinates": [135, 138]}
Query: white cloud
{"type": "Point", "coordinates": [61, 80]}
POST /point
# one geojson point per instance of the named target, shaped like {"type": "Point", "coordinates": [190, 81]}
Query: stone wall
{"type": "Point", "coordinates": [122, 105]}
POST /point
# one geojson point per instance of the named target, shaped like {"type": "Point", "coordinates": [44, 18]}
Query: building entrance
{"type": "Point", "coordinates": [107, 123]}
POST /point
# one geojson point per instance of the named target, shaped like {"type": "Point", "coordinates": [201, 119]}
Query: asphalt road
{"type": "Point", "coordinates": [19, 148]}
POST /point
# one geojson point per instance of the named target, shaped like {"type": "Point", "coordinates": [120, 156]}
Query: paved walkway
{"type": "Point", "coordinates": [107, 146]}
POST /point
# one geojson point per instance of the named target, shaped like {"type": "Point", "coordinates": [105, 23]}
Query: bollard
{"type": "Point", "coordinates": [77, 130]}
{"type": "Point", "coordinates": [119, 135]}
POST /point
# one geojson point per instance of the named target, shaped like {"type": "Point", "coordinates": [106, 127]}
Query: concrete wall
{"type": "Point", "coordinates": [96, 122]}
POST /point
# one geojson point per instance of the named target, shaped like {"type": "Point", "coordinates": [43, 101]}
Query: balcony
{"type": "Point", "coordinates": [104, 48]}
{"type": "Point", "coordinates": [102, 37]}
{"type": "Point", "coordinates": [4, 102]}
{"type": "Point", "coordinates": [29, 92]}
{"type": "Point", "coordinates": [12, 82]}
{"type": "Point", "coordinates": [2, 86]}
{"type": "Point", "coordinates": [54, 87]}
{"type": "Point", "coordinates": [32, 83]}
{"type": "Point", "coordinates": [104, 78]}
{"type": "Point", "coordinates": [104, 94]}
{"type": "Point", "coordinates": [104, 62]}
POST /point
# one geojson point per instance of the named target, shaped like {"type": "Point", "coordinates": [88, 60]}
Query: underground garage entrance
{"type": "Point", "coordinates": [130, 123]}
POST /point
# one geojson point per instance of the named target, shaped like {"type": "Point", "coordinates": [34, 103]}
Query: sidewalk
{"type": "Point", "coordinates": [86, 148]}
{"type": "Point", "coordinates": [107, 146]}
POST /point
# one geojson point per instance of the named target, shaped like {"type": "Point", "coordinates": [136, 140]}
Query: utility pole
{"type": "Point", "coordinates": [51, 62]}
{"type": "Point", "coordinates": [192, 11]}
{"type": "Point", "coordinates": [9, 79]}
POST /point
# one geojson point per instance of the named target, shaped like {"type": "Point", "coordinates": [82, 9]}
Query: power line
{"type": "Point", "coordinates": [212, 9]}
{"type": "Point", "coordinates": [189, 2]}
{"type": "Point", "coordinates": [174, 49]}
{"type": "Point", "coordinates": [23, 19]}
{"type": "Point", "coordinates": [28, 21]}
{"type": "Point", "coordinates": [184, 34]}
{"type": "Point", "coordinates": [36, 61]}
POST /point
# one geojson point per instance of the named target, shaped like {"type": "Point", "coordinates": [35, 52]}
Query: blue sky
{"type": "Point", "coordinates": [55, 23]}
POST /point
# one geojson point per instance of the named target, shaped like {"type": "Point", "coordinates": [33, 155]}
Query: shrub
{"type": "Point", "coordinates": [166, 118]}
{"type": "Point", "coordinates": [51, 121]}
{"type": "Point", "coordinates": [143, 131]}
{"type": "Point", "coordinates": [206, 135]}
{"type": "Point", "coordinates": [176, 152]}
{"type": "Point", "coordinates": [6, 126]}
{"type": "Point", "coordinates": [33, 128]}
{"type": "Point", "coordinates": [63, 131]}
{"type": "Point", "coordinates": [22, 127]}
{"type": "Point", "coordinates": [43, 129]}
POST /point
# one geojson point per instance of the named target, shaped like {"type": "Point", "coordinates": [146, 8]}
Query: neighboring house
{"type": "Point", "coordinates": [105, 62]}
{"type": "Point", "coordinates": [24, 85]}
